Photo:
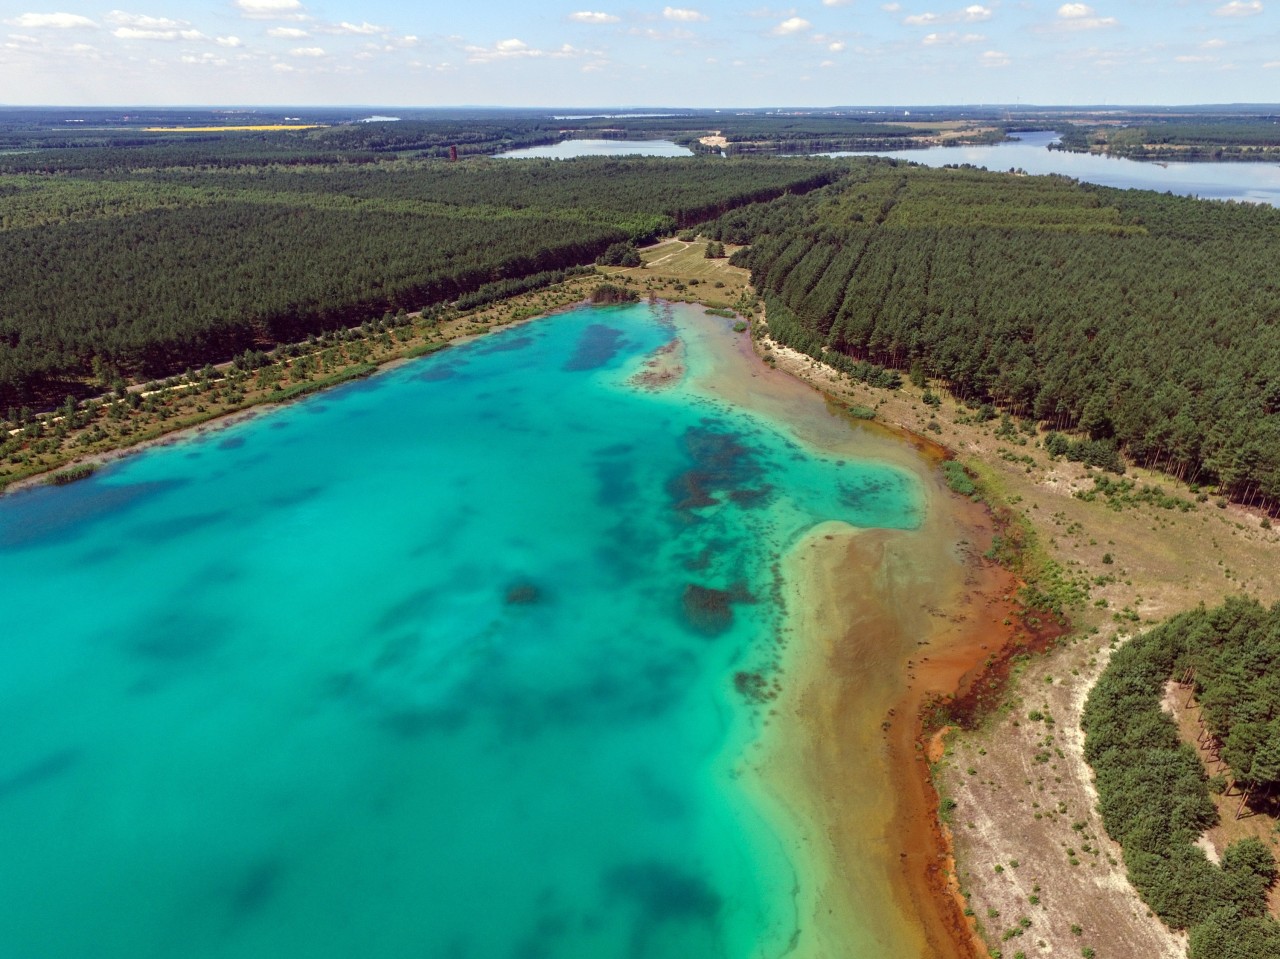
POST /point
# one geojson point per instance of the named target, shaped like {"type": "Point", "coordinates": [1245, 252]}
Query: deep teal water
{"type": "Point", "coordinates": [440, 664]}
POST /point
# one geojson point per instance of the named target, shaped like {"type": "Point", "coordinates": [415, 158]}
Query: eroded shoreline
{"type": "Point", "coordinates": [880, 624]}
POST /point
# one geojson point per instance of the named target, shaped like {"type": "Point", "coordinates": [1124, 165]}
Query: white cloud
{"type": "Point", "coordinates": [144, 22]}
{"type": "Point", "coordinates": [591, 16]}
{"type": "Point", "coordinates": [1081, 16]}
{"type": "Point", "coordinates": [282, 68]}
{"type": "Point", "coordinates": [951, 39]}
{"type": "Point", "coordinates": [994, 58]}
{"type": "Point", "coordinates": [683, 14]}
{"type": "Point", "coordinates": [1239, 8]}
{"type": "Point", "coordinates": [835, 3]}
{"type": "Point", "coordinates": [139, 26]}
{"type": "Point", "coordinates": [228, 41]}
{"type": "Point", "coordinates": [1271, 65]}
{"type": "Point", "coordinates": [1188, 58]}
{"type": "Point", "coordinates": [307, 52]}
{"type": "Point", "coordinates": [974, 13]}
{"type": "Point", "coordinates": [137, 33]}
{"type": "Point", "coordinates": [56, 21]}
{"type": "Point", "coordinates": [271, 9]}
{"type": "Point", "coordinates": [792, 25]}
{"type": "Point", "coordinates": [365, 29]}
{"type": "Point", "coordinates": [891, 7]}
{"type": "Point", "coordinates": [662, 36]}
{"type": "Point", "coordinates": [515, 49]}
{"type": "Point", "coordinates": [836, 46]}
{"type": "Point", "coordinates": [1214, 44]}
{"type": "Point", "coordinates": [204, 59]}
{"type": "Point", "coordinates": [288, 33]}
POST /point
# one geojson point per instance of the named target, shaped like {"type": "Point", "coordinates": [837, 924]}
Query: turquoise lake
{"type": "Point", "coordinates": [447, 663]}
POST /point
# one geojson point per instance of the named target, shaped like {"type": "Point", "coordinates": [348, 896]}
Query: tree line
{"type": "Point", "coordinates": [143, 273]}
{"type": "Point", "coordinates": [1144, 320]}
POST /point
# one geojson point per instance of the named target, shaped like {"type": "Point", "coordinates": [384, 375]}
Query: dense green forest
{"type": "Point", "coordinates": [1148, 321]}
{"type": "Point", "coordinates": [133, 272]}
{"type": "Point", "coordinates": [1252, 138]}
{"type": "Point", "coordinates": [1153, 793]}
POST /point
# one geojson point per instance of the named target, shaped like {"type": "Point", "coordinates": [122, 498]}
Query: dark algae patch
{"type": "Point", "coordinates": [722, 464]}
{"type": "Point", "coordinates": [596, 347]}
{"type": "Point", "coordinates": [41, 771]}
{"type": "Point", "coordinates": [708, 611]}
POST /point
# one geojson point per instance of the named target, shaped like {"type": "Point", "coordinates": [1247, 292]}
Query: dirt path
{"type": "Point", "coordinates": [663, 259]}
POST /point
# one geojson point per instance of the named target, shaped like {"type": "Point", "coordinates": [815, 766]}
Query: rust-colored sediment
{"type": "Point", "coordinates": [928, 861]}
{"type": "Point", "coordinates": [885, 625]}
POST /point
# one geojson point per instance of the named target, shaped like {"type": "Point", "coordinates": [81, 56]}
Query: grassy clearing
{"type": "Point", "coordinates": [680, 270]}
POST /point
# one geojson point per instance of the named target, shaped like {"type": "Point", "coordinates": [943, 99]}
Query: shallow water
{"type": "Point", "coordinates": [447, 663]}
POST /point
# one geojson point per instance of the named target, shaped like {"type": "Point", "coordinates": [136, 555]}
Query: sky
{"type": "Point", "coordinates": [712, 53]}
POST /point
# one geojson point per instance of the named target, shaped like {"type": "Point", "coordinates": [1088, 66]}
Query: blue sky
{"type": "Point", "coordinates": [705, 53]}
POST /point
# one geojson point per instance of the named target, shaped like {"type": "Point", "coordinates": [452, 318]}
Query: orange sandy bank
{"type": "Point", "coordinates": [881, 624]}
{"type": "Point", "coordinates": [884, 623]}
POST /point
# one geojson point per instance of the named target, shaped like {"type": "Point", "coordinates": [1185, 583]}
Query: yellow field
{"type": "Point", "coordinates": [261, 126]}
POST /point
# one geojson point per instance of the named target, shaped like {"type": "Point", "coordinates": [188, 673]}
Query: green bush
{"type": "Point", "coordinates": [958, 479]}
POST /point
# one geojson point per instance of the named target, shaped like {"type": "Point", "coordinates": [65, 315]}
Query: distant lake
{"type": "Point", "coordinates": [568, 149]}
{"type": "Point", "coordinates": [1254, 182]}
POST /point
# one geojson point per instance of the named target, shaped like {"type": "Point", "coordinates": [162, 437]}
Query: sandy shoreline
{"type": "Point", "coordinates": [869, 647]}
{"type": "Point", "coordinates": [234, 417]}
{"type": "Point", "coordinates": [211, 425]}
{"type": "Point", "coordinates": [880, 623]}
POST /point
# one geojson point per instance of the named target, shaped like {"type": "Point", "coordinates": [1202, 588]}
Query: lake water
{"type": "Point", "coordinates": [568, 149]}
{"type": "Point", "coordinates": [1254, 182]}
{"type": "Point", "coordinates": [446, 663]}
